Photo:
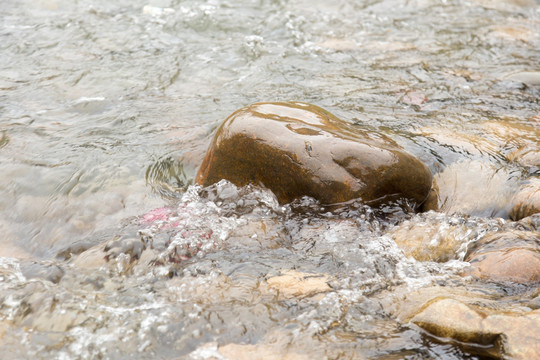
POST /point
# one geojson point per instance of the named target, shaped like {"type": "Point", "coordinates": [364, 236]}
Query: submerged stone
{"type": "Point", "coordinates": [272, 351]}
{"type": "Point", "coordinates": [431, 237]}
{"type": "Point", "coordinates": [472, 187]}
{"type": "Point", "coordinates": [262, 351]}
{"type": "Point", "coordinates": [296, 149]}
{"type": "Point", "coordinates": [292, 283]}
{"type": "Point", "coordinates": [527, 156]}
{"type": "Point", "coordinates": [36, 270]}
{"type": "Point", "coordinates": [527, 77]}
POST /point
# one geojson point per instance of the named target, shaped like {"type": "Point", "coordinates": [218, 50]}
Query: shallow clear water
{"type": "Point", "coordinates": [106, 111]}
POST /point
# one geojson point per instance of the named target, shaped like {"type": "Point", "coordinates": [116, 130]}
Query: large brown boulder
{"type": "Point", "coordinates": [298, 149]}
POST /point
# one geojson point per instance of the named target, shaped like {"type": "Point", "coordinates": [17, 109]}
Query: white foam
{"type": "Point", "coordinates": [157, 11]}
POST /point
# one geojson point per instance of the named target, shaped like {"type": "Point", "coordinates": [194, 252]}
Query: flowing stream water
{"type": "Point", "coordinates": [108, 250]}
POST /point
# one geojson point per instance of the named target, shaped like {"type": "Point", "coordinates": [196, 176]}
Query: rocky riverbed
{"type": "Point", "coordinates": [111, 249]}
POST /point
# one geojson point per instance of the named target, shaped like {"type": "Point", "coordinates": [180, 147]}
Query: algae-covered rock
{"type": "Point", "coordinates": [297, 149]}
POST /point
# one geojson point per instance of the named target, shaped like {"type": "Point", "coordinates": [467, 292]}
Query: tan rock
{"type": "Point", "coordinates": [512, 132]}
{"type": "Point", "coordinates": [8, 249]}
{"type": "Point", "coordinates": [465, 73]}
{"type": "Point", "coordinates": [93, 258]}
{"type": "Point", "coordinates": [512, 335]}
{"type": "Point", "coordinates": [48, 4]}
{"type": "Point", "coordinates": [519, 266]}
{"type": "Point", "coordinates": [292, 283]}
{"type": "Point", "coordinates": [267, 233]}
{"type": "Point", "coordinates": [527, 156]}
{"type": "Point", "coordinates": [472, 187]}
{"type": "Point", "coordinates": [413, 302]}
{"type": "Point", "coordinates": [412, 97]}
{"type": "Point", "coordinates": [452, 319]}
{"type": "Point", "coordinates": [428, 241]}
{"type": "Point", "coordinates": [297, 149]}
{"type": "Point", "coordinates": [526, 201]}
{"type": "Point", "coordinates": [4, 327]}
{"type": "Point", "coordinates": [504, 4]}
{"type": "Point", "coordinates": [57, 321]}
{"type": "Point", "coordinates": [338, 44]}
{"type": "Point", "coordinates": [259, 352]}
{"type": "Point", "coordinates": [506, 256]}
{"type": "Point", "coordinates": [521, 338]}
{"type": "Point", "coordinates": [527, 77]}
{"type": "Point", "coordinates": [388, 46]}
{"type": "Point", "coordinates": [513, 33]}
{"type": "Point", "coordinates": [461, 142]}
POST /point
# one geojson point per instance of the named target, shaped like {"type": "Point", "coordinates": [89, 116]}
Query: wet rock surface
{"type": "Point", "coordinates": [107, 113]}
{"type": "Point", "coordinates": [480, 319]}
{"type": "Point", "coordinates": [249, 352]}
{"type": "Point", "coordinates": [436, 237]}
{"type": "Point", "coordinates": [245, 352]}
{"type": "Point", "coordinates": [473, 187]}
{"type": "Point", "coordinates": [510, 255]}
{"type": "Point", "coordinates": [292, 283]}
{"type": "Point", "coordinates": [526, 201]}
{"type": "Point", "coordinates": [297, 149]}
{"type": "Point", "coordinates": [527, 156]}
{"type": "Point", "coordinates": [35, 270]}
{"type": "Point", "coordinates": [348, 275]}
{"type": "Point", "coordinates": [503, 334]}
{"type": "Point", "coordinates": [531, 78]}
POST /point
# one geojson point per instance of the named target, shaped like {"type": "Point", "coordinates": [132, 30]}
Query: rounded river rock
{"type": "Point", "coordinates": [297, 149]}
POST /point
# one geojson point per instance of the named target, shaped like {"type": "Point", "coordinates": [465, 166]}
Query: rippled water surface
{"type": "Point", "coordinates": [107, 109]}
